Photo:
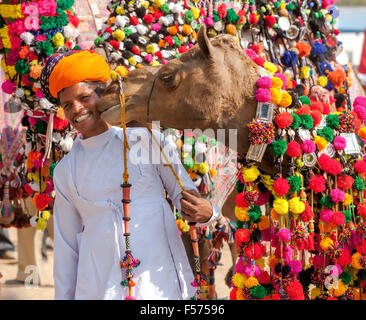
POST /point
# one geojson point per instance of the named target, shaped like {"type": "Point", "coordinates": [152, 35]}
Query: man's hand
{"type": "Point", "coordinates": [194, 207]}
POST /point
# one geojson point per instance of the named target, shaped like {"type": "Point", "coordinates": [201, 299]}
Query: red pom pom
{"type": "Point", "coordinates": [317, 117]}
{"type": "Point", "coordinates": [345, 182]}
{"type": "Point", "coordinates": [317, 183]}
{"type": "Point", "coordinates": [240, 200]}
{"type": "Point", "coordinates": [158, 14]}
{"type": "Point", "coordinates": [28, 189]}
{"type": "Point", "coordinates": [332, 298]}
{"type": "Point", "coordinates": [276, 296]}
{"type": "Point", "coordinates": [114, 44]}
{"type": "Point", "coordinates": [295, 291]}
{"type": "Point", "coordinates": [281, 186]}
{"type": "Point", "coordinates": [305, 109]}
{"type": "Point", "coordinates": [307, 214]}
{"type": "Point", "coordinates": [148, 18]}
{"type": "Point", "coordinates": [293, 149]}
{"type": "Point", "coordinates": [317, 106]}
{"type": "Point", "coordinates": [336, 32]}
{"type": "Point", "coordinates": [182, 49]}
{"type": "Point", "coordinates": [270, 21]}
{"type": "Point", "coordinates": [259, 61]}
{"type": "Point", "coordinates": [59, 124]}
{"type": "Point", "coordinates": [283, 120]}
{"type": "Point", "coordinates": [360, 166]}
{"type": "Point", "coordinates": [242, 235]}
{"type": "Point", "coordinates": [329, 165]}
{"type": "Point", "coordinates": [338, 218]}
{"type": "Point", "coordinates": [361, 209]}
{"type": "Point", "coordinates": [255, 48]}
{"type": "Point", "coordinates": [253, 18]}
{"type": "Point", "coordinates": [169, 39]}
{"type": "Point", "coordinates": [361, 249]}
{"type": "Point", "coordinates": [264, 278]}
{"type": "Point", "coordinates": [326, 108]}
{"type": "Point", "coordinates": [135, 50]}
{"type": "Point", "coordinates": [258, 251]}
{"type": "Point", "coordinates": [233, 293]}
{"type": "Point", "coordinates": [345, 258]}
{"type": "Point", "coordinates": [42, 201]}
{"type": "Point", "coordinates": [109, 30]}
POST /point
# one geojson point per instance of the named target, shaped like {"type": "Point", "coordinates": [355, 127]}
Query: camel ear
{"type": "Point", "coordinates": [204, 43]}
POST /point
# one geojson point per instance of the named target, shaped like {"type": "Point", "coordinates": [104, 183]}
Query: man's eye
{"type": "Point", "coordinates": [85, 97]}
{"type": "Point", "coordinates": [66, 106]}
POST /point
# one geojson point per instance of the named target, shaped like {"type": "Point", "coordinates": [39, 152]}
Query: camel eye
{"type": "Point", "coordinates": [167, 78]}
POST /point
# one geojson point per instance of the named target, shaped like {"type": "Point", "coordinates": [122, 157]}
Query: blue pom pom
{"type": "Point", "coordinates": [324, 66]}
{"type": "Point", "coordinates": [289, 58]}
{"type": "Point", "coordinates": [329, 86]}
{"type": "Point", "coordinates": [318, 49]}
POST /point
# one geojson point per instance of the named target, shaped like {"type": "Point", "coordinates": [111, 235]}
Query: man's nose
{"type": "Point", "coordinates": [76, 107]}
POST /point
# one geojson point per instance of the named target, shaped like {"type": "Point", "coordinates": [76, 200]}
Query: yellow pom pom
{"type": "Point", "coordinates": [196, 13]}
{"type": "Point", "coordinates": [155, 63]}
{"type": "Point", "coordinates": [145, 4]}
{"type": "Point", "coordinates": [231, 29]}
{"type": "Point", "coordinates": [150, 48]}
{"type": "Point", "coordinates": [276, 95]}
{"type": "Point", "coordinates": [260, 263]}
{"type": "Point", "coordinates": [122, 71]}
{"type": "Point", "coordinates": [296, 205]}
{"type": "Point", "coordinates": [315, 292]}
{"type": "Point", "coordinates": [305, 72]}
{"type": "Point", "coordinates": [362, 132]}
{"type": "Point", "coordinates": [280, 206]}
{"type": "Point", "coordinates": [119, 35]}
{"type": "Point", "coordinates": [286, 100]}
{"type": "Point", "coordinates": [241, 213]}
{"type": "Point", "coordinates": [113, 75]}
{"type": "Point", "coordinates": [46, 215]}
{"type": "Point", "coordinates": [58, 40]}
{"type": "Point", "coordinates": [347, 199]}
{"type": "Point", "coordinates": [203, 168]}
{"type": "Point", "coordinates": [159, 3]}
{"type": "Point", "coordinates": [187, 30]}
{"type": "Point", "coordinates": [322, 81]}
{"type": "Point", "coordinates": [356, 260]}
{"type": "Point", "coordinates": [326, 243]}
{"type": "Point", "coordinates": [132, 61]}
{"type": "Point", "coordinates": [263, 223]}
{"type": "Point", "coordinates": [185, 227]}
{"type": "Point", "coordinates": [276, 82]}
{"type": "Point", "coordinates": [120, 10]}
{"type": "Point", "coordinates": [283, 5]}
{"type": "Point", "coordinates": [339, 290]}
{"type": "Point", "coordinates": [270, 67]}
{"type": "Point", "coordinates": [320, 142]}
{"type": "Point", "coordinates": [213, 173]}
{"type": "Point", "coordinates": [250, 174]}
{"type": "Point", "coordinates": [239, 280]}
{"type": "Point", "coordinates": [41, 224]}
{"type": "Point", "coordinates": [251, 282]}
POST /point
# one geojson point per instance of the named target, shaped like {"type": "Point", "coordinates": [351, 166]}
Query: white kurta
{"type": "Point", "coordinates": [89, 242]}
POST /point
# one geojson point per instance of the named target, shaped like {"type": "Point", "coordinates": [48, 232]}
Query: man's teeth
{"type": "Point", "coordinates": [82, 118]}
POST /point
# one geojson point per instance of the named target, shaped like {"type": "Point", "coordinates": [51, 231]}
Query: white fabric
{"type": "Point", "coordinates": [89, 242]}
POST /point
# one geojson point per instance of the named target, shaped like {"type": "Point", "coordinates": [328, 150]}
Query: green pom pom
{"type": "Point", "coordinates": [290, 6]}
{"type": "Point", "coordinates": [305, 100]}
{"type": "Point", "coordinates": [216, 16]}
{"type": "Point", "coordinates": [57, 22]}
{"type": "Point", "coordinates": [165, 8]}
{"type": "Point", "coordinates": [332, 121]}
{"type": "Point", "coordinates": [177, 41]}
{"type": "Point", "coordinates": [239, 186]}
{"type": "Point", "coordinates": [326, 133]}
{"type": "Point", "coordinates": [278, 147]}
{"type": "Point", "coordinates": [98, 40]}
{"type": "Point", "coordinates": [231, 16]}
{"type": "Point", "coordinates": [22, 67]}
{"type": "Point", "coordinates": [348, 215]}
{"type": "Point", "coordinates": [188, 16]}
{"type": "Point", "coordinates": [77, 47]}
{"type": "Point", "coordinates": [296, 121]}
{"type": "Point", "coordinates": [258, 292]}
{"type": "Point", "coordinates": [212, 142]}
{"type": "Point", "coordinates": [327, 201]}
{"type": "Point", "coordinates": [127, 32]}
{"type": "Point", "coordinates": [189, 140]}
{"type": "Point", "coordinates": [52, 168]}
{"type": "Point", "coordinates": [45, 47]}
{"type": "Point", "coordinates": [307, 121]}
{"type": "Point", "coordinates": [295, 183]}
{"type": "Point", "coordinates": [41, 127]}
{"type": "Point", "coordinates": [63, 5]}
{"type": "Point", "coordinates": [188, 162]}
{"type": "Point", "coordinates": [359, 184]}
{"type": "Point", "coordinates": [254, 213]}
{"type": "Point", "coordinates": [345, 277]}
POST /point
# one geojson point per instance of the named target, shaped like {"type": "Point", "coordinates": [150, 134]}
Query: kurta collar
{"type": "Point", "coordinates": [96, 141]}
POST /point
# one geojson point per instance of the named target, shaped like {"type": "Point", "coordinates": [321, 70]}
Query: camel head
{"type": "Point", "coordinates": [211, 85]}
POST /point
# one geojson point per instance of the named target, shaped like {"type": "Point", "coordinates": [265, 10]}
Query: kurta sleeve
{"type": "Point", "coordinates": [170, 182]}
{"type": "Point", "coordinates": [67, 224]}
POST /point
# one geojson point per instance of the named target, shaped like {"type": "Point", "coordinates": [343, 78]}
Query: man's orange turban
{"type": "Point", "coordinates": [67, 69]}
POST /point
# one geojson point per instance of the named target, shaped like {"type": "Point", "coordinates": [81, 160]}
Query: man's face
{"type": "Point", "coordinates": [79, 104]}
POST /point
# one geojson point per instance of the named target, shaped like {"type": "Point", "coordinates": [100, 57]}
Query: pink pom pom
{"type": "Point", "coordinates": [250, 53]}
{"type": "Point", "coordinates": [49, 187]}
{"type": "Point", "coordinates": [308, 146]}
{"type": "Point", "coordinates": [239, 268]}
{"type": "Point", "coordinates": [264, 82]}
{"type": "Point", "coordinates": [8, 86]}
{"type": "Point", "coordinates": [339, 143]}
{"type": "Point", "coordinates": [209, 22]}
{"type": "Point", "coordinates": [248, 270]}
{"type": "Point", "coordinates": [39, 94]}
{"type": "Point", "coordinates": [130, 298]}
{"type": "Point", "coordinates": [283, 78]}
{"type": "Point", "coordinates": [337, 195]}
{"type": "Point", "coordinates": [289, 253]}
{"type": "Point", "coordinates": [361, 111]}
{"type": "Point", "coordinates": [284, 234]}
{"type": "Point", "coordinates": [360, 101]}
{"type": "Point", "coordinates": [293, 149]}
{"type": "Point", "coordinates": [326, 215]}
{"type": "Point", "coordinates": [281, 186]}
{"type": "Point", "coordinates": [156, 27]}
{"type": "Point", "coordinates": [296, 266]}
{"type": "Point", "coordinates": [268, 234]}
{"type": "Point", "coordinates": [263, 95]}
{"type": "Point", "coordinates": [338, 218]}
{"type": "Point", "coordinates": [149, 58]}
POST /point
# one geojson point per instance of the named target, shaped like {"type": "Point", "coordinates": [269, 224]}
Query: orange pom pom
{"type": "Point", "coordinates": [337, 77]}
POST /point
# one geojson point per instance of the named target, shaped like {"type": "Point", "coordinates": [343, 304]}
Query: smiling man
{"type": "Point", "coordinates": [88, 212]}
